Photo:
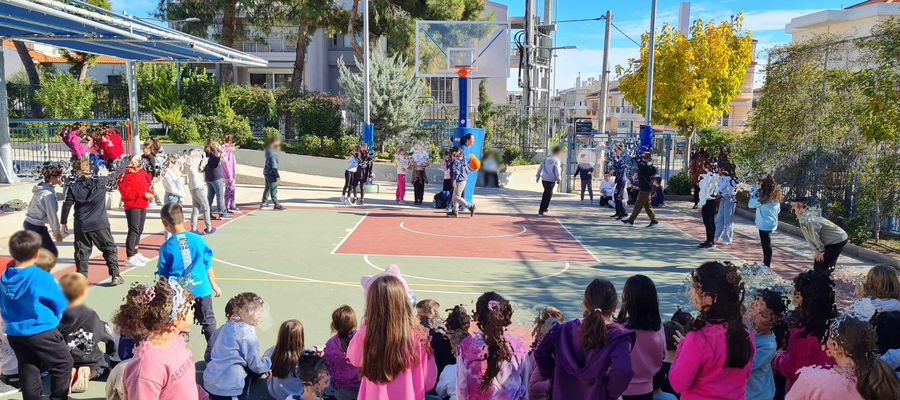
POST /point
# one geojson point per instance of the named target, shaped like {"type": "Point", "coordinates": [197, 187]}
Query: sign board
{"type": "Point", "coordinates": [626, 126]}
{"type": "Point", "coordinates": [584, 126]}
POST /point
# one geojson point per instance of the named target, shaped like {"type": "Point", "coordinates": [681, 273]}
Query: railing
{"type": "Point", "coordinates": [36, 141]}
{"type": "Point", "coordinates": [271, 45]}
{"type": "Point", "coordinates": [732, 122]}
{"type": "Point", "coordinates": [621, 110]}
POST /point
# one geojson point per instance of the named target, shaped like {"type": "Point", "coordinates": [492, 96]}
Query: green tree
{"type": "Point", "coordinates": [695, 79]}
{"type": "Point", "coordinates": [165, 104]}
{"type": "Point", "coordinates": [713, 137]}
{"type": "Point", "coordinates": [61, 96]}
{"type": "Point", "coordinates": [81, 62]}
{"type": "Point", "coordinates": [486, 113]}
{"type": "Point", "coordinates": [395, 91]}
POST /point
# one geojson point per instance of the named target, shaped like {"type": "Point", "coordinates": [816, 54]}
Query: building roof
{"type": "Point", "coordinates": [868, 2]}
{"type": "Point", "coordinates": [42, 58]}
{"type": "Point", "coordinates": [867, 9]}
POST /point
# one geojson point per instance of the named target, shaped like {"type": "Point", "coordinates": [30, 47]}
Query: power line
{"type": "Point", "coordinates": [623, 34]}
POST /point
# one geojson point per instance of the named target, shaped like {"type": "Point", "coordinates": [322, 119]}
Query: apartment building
{"type": "Point", "coordinates": [853, 21]}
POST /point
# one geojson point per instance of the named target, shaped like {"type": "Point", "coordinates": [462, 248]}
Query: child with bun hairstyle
{"type": "Point", "coordinates": [640, 314]}
{"type": "Point", "coordinates": [858, 374]}
{"type": "Point", "coordinates": [344, 376]}
{"type": "Point", "coordinates": [539, 386]}
{"type": "Point", "coordinates": [394, 357]}
{"type": "Point", "coordinates": [715, 358]}
{"type": "Point", "coordinates": [814, 298]}
{"type": "Point", "coordinates": [589, 358]}
{"type": "Point", "coordinates": [162, 367]}
{"type": "Point", "coordinates": [492, 363]}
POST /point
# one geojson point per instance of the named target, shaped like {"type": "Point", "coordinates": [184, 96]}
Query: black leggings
{"type": "Point", "coordinates": [349, 184]}
{"type": "Point", "coordinates": [765, 238]}
{"type": "Point", "coordinates": [832, 252]}
{"type": "Point", "coordinates": [135, 218]}
{"type": "Point", "coordinates": [709, 220]}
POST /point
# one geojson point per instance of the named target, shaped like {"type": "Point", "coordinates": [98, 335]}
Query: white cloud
{"type": "Point", "coordinates": [588, 62]}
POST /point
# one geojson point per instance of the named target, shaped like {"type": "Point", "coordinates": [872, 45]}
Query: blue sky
{"type": "Point", "coordinates": [765, 18]}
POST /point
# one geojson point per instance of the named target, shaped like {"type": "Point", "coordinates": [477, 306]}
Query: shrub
{"type": "Point", "coordinates": [184, 131]}
{"type": "Point", "coordinates": [347, 143]}
{"type": "Point", "coordinates": [253, 101]}
{"type": "Point", "coordinates": [679, 185]}
{"type": "Point", "coordinates": [309, 144]}
{"type": "Point", "coordinates": [858, 228]}
{"type": "Point", "coordinates": [216, 128]}
{"type": "Point", "coordinates": [512, 153]}
{"type": "Point", "coordinates": [61, 96]}
{"type": "Point", "coordinates": [313, 113]}
{"type": "Point", "coordinates": [144, 130]}
{"type": "Point", "coordinates": [268, 133]}
{"type": "Point", "coordinates": [329, 147]}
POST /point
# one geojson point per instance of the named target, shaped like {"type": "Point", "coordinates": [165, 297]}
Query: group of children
{"type": "Point", "coordinates": [417, 161]}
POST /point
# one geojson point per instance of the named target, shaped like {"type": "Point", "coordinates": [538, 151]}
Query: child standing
{"type": "Point", "coordinates": [229, 172]}
{"type": "Point", "coordinates": [715, 358]}
{"type": "Point", "coordinates": [364, 171]}
{"type": "Point", "coordinates": [31, 305]}
{"type": "Point", "coordinates": [766, 310]}
{"type": "Point", "coordinates": [42, 208]}
{"type": "Point", "coordinates": [285, 381]}
{"type": "Point", "coordinates": [402, 165]}
{"type": "Point", "coordinates": [235, 359]}
{"type": "Point", "coordinates": [448, 182]}
{"type": "Point", "coordinates": [82, 329]}
{"type": "Point", "coordinates": [215, 180]}
{"type": "Point", "coordinates": [585, 171]}
{"type": "Point", "coordinates": [196, 163]}
{"type": "Point", "coordinates": [549, 175]}
{"type": "Point", "coordinates": [814, 297]}
{"type": "Point", "coordinates": [420, 161]}
{"type": "Point", "coordinates": [350, 180]}
{"type": "Point", "coordinates": [162, 367]}
{"type": "Point", "coordinates": [765, 197]}
{"type": "Point", "coordinates": [725, 194]}
{"type": "Point", "coordinates": [640, 314]}
{"type": "Point", "coordinates": [858, 375]}
{"type": "Point", "coordinates": [344, 376]}
{"type": "Point", "coordinates": [186, 256]}
{"type": "Point", "coordinates": [459, 174]}
{"type": "Point", "coordinates": [588, 357]}
{"type": "Point", "coordinates": [491, 364]}
{"type": "Point", "coordinates": [709, 183]}
{"type": "Point", "coordinates": [136, 195]}
{"type": "Point", "coordinates": [410, 370]}
{"type": "Point", "coordinates": [825, 238]}
{"type": "Point", "coordinates": [172, 183]}
{"type": "Point", "coordinates": [9, 365]}
{"type": "Point", "coordinates": [270, 171]}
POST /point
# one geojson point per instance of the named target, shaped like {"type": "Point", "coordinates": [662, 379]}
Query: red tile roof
{"type": "Point", "coordinates": [39, 57]}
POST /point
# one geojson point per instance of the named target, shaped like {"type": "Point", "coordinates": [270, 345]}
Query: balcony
{"type": "Point", "coordinates": [735, 123]}
{"type": "Point", "coordinates": [271, 45]}
{"type": "Point", "coordinates": [620, 111]}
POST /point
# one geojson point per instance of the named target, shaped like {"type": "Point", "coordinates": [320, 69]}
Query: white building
{"type": "Point", "coordinates": [854, 21]}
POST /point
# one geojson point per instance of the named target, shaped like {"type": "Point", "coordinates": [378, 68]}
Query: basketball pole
{"type": "Point", "coordinates": [368, 134]}
{"type": "Point", "coordinates": [649, 101]}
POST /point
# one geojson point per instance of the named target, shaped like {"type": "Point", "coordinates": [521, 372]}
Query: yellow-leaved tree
{"type": "Point", "coordinates": [694, 79]}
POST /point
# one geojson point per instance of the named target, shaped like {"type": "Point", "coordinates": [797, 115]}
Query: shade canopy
{"type": "Point", "coordinates": [77, 25]}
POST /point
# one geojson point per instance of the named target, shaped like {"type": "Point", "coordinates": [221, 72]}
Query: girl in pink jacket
{"type": "Point", "coordinates": [71, 139]}
{"type": "Point", "coordinates": [714, 360]}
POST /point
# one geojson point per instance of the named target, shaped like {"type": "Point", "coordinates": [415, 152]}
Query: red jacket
{"type": "Point", "coordinates": [112, 145]}
{"type": "Point", "coordinates": [134, 186]}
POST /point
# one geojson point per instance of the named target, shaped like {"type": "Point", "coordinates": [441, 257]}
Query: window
{"type": "Point", "coordinates": [283, 80]}
{"type": "Point", "coordinates": [441, 90]}
{"type": "Point", "coordinates": [258, 80]}
{"type": "Point", "coordinates": [115, 79]}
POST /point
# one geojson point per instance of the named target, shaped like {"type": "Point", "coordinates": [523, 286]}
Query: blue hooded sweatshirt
{"type": "Point", "coordinates": [31, 301]}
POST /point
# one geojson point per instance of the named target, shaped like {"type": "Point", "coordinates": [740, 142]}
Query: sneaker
{"type": "Point", "coordinates": [628, 222]}
{"type": "Point", "coordinates": [472, 211]}
{"type": "Point", "coordinates": [80, 379]}
{"type": "Point", "coordinates": [225, 217]}
{"type": "Point", "coordinates": [360, 202]}
{"type": "Point", "coordinates": [234, 210]}
{"type": "Point", "coordinates": [540, 214]}
{"type": "Point", "coordinates": [619, 217]}
{"type": "Point", "coordinates": [345, 201]}
{"type": "Point", "coordinates": [616, 216]}
{"type": "Point", "coordinates": [196, 232]}
{"type": "Point", "coordinates": [134, 262]}
{"type": "Point", "coordinates": [592, 202]}
{"type": "Point", "coordinates": [142, 257]}
{"type": "Point", "coordinates": [209, 231]}
{"type": "Point", "coordinates": [115, 281]}
{"type": "Point", "coordinates": [6, 390]}
{"type": "Point", "coordinates": [695, 207]}
{"type": "Point", "coordinates": [652, 224]}
{"type": "Point", "coordinates": [711, 246]}
{"type": "Point", "coordinates": [452, 214]}
{"type": "Point", "coordinates": [702, 245]}
{"type": "Point", "coordinates": [263, 206]}
{"type": "Point", "coordinates": [278, 207]}
{"type": "Point", "coordinates": [724, 243]}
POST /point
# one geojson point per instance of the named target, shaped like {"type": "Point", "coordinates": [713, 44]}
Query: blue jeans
{"type": "Point", "coordinates": [216, 189]}
{"type": "Point", "coordinates": [725, 220]}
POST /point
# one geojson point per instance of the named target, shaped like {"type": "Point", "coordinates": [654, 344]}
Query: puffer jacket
{"type": "Point", "coordinates": [134, 185]}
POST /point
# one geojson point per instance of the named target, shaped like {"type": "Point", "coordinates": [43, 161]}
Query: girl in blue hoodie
{"type": "Point", "coordinates": [31, 304]}
{"type": "Point", "coordinates": [589, 358]}
{"type": "Point", "coordinates": [766, 198]}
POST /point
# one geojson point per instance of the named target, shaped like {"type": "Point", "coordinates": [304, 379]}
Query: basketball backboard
{"type": "Point", "coordinates": [479, 47]}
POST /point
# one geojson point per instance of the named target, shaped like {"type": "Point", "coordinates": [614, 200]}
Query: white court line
{"type": "Point", "coordinates": [577, 240]}
{"type": "Point", "coordinates": [350, 232]}
{"type": "Point", "coordinates": [524, 229]}
{"type": "Point", "coordinates": [366, 258]}
{"type": "Point", "coordinates": [460, 258]}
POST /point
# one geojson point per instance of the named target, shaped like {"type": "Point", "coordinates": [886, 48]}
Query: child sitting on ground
{"type": "Point", "coordinates": [883, 287]}
{"type": "Point", "coordinates": [32, 304]}
{"type": "Point", "coordinates": [539, 386]}
{"type": "Point", "coordinates": [312, 371]}
{"type": "Point", "coordinates": [428, 311]}
{"type": "Point", "coordinates": [235, 359]}
{"type": "Point", "coordinates": [446, 386]}
{"type": "Point", "coordinates": [673, 329]}
{"type": "Point", "coordinates": [46, 260]}
{"type": "Point", "coordinates": [767, 309]}
{"type": "Point", "coordinates": [285, 380]}
{"type": "Point", "coordinates": [83, 331]}
{"type": "Point", "coordinates": [502, 374]}
{"type": "Point", "coordinates": [229, 312]}
{"type": "Point", "coordinates": [186, 256]}
{"type": "Point", "coordinates": [344, 376]}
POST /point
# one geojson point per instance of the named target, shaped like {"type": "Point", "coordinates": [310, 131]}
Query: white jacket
{"type": "Point", "coordinates": [709, 183]}
{"type": "Point", "coordinates": [172, 183]}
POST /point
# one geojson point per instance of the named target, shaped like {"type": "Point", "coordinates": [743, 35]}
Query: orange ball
{"type": "Point", "coordinates": [474, 164]}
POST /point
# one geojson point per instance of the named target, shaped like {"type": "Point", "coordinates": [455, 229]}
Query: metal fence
{"type": "Point", "coordinates": [36, 141]}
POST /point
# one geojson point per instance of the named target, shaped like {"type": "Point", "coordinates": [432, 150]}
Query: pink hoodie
{"type": "Point", "coordinates": [646, 358]}
{"type": "Point", "coordinates": [699, 372]}
{"type": "Point", "coordinates": [162, 373]}
{"type": "Point", "coordinates": [228, 163]}
{"type": "Point", "coordinates": [800, 352]}
{"type": "Point", "coordinates": [817, 383]}
{"type": "Point", "coordinates": [73, 141]}
{"type": "Point", "coordinates": [407, 385]}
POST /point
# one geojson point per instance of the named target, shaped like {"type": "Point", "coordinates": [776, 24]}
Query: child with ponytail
{"type": "Point", "coordinates": [814, 298]}
{"type": "Point", "coordinates": [394, 357]}
{"type": "Point", "coordinates": [858, 375]}
{"type": "Point", "coordinates": [344, 376]}
{"type": "Point", "coordinates": [589, 358]}
{"type": "Point", "coordinates": [162, 367]}
{"type": "Point", "coordinates": [491, 364]}
{"type": "Point", "coordinates": [640, 314]}
{"type": "Point", "coordinates": [714, 359]}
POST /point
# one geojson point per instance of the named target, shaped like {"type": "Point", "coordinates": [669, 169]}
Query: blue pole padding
{"type": "Point", "coordinates": [646, 138]}
{"type": "Point", "coordinates": [475, 149]}
{"type": "Point", "coordinates": [368, 136]}
{"type": "Point", "coordinates": [464, 102]}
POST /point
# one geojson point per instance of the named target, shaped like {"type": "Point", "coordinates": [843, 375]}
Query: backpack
{"type": "Point", "coordinates": [441, 199]}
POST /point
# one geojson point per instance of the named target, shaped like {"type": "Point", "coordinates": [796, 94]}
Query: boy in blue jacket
{"type": "Point", "coordinates": [32, 304]}
{"type": "Point", "coordinates": [187, 257]}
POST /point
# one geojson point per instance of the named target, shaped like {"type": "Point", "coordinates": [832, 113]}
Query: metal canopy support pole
{"type": "Point", "coordinates": [649, 103]}
{"type": "Point", "coordinates": [604, 78]}
{"type": "Point", "coordinates": [7, 173]}
{"type": "Point", "coordinates": [131, 78]}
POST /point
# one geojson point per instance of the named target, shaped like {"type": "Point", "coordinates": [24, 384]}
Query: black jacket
{"type": "Point", "coordinates": [88, 195]}
{"type": "Point", "coordinates": [83, 330]}
{"type": "Point", "coordinates": [646, 175]}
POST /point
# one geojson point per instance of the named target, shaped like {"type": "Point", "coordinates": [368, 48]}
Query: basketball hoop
{"type": "Point", "coordinates": [462, 71]}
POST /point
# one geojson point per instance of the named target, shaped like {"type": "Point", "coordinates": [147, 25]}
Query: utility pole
{"type": "Point", "coordinates": [604, 79]}
{"type": "Point", "coordinates": [529, 43]}
{"type": "Point", "coordinates": [649, 101]}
